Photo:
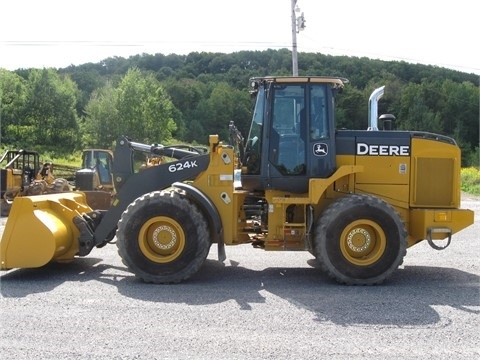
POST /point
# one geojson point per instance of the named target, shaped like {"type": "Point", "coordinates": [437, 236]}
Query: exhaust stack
{"type": "Point", "coordinates": [373, 108]}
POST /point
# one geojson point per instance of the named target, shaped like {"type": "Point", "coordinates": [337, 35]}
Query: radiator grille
{"type": "Point", "coordinates": [434, 182]}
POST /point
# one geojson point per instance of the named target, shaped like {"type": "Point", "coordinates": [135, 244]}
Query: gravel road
{"type": "Point", "coordinates": [257, 305]}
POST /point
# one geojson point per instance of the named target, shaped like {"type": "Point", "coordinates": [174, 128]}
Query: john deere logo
{"type": "Point", "coordinates": [383, 150]}
{"type": "Point", "coordinates": [320, 149]}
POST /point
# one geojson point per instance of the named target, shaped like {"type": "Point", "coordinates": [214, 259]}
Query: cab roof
{"type": "Point", "coordinates": [338, 81]}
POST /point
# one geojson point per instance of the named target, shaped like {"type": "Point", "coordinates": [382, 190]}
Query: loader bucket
{"type": "Point", "coordinates": [40, 229]}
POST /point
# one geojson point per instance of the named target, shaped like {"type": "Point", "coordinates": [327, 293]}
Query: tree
{"type": "Point", "coordinates": [13, 94]}
{"type": "Point", "coordinates": [352, 109]}
{"type": "Point", "coordinates": [225, 104]}
{"type": "Point", "coordinates": [88, 78]}
{"type": "Point", "coordinates": [185, 95]}
{"type": "Point", "coordinates": [139, 108]}
{"type": "Point", "coordinates": [459, 109]}
{"type": "Point", "coordinates": [49, 118]}
{"type": "Point", "coordinates": [416, 112]}
{"type": "Point", "coordinates": [144, 108]}
{"type": "Point", "coordinates": [100, 127]}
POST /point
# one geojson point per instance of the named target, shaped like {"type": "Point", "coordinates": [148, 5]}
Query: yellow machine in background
{"type": "Point", "coordinates": [19, 168]}
{"type": "Point", "coordinates": [95, 178]}
{"type": "Point", "coordinates": [355, 199]}
{"type": "Point", "coordinates": [21, 175]}
{"type": "Point", "coordinates": [99, 176]}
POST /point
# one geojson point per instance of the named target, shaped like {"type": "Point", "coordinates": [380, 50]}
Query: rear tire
{"type": "Point", "coordinates": [360, 240]}
{"type": "Point", "coordinates": [163, 237]}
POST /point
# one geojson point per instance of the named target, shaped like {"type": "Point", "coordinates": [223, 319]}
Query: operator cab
{"type": "Point", "coordinates": [101, 161]}
{"type": "Point", "coordinates": [292, 135]}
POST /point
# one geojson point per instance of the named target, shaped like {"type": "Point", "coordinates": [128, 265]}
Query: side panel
{"type": "Point", "coordinates": [385, 157]}
{"type": "Point", "coordinates": [217, 183]}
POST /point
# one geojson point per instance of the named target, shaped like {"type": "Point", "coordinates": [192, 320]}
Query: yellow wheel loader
{"type": "Point", "coordinates": [95, 178]}
{"type": "Point", "coordinates": [19, 168]}
{"type": "Point", "coordinates": [355, 199]}
{"type": "Point", "coordinates": [21, 175]}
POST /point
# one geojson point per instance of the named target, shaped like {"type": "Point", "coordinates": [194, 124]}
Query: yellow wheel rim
{"type": "Point", "coordinates": [161, 239]}
{"type": "Point", "coordinates": [363, 242]}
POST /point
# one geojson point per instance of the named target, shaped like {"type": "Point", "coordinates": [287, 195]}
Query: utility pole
{"type": "Point", "coordinates": [298, 24]}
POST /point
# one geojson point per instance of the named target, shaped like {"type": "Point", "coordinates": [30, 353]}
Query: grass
{"type": "Point", "coordinates": [471, 180]}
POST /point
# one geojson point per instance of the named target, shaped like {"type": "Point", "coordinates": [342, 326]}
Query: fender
{"type": "Point", "coordinates": [209, 208]}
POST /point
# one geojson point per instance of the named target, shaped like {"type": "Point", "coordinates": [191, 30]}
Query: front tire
{"type": "Point", "coordinates": [163, 237]}
{"type": "Point", "coordinates": [360, 240]}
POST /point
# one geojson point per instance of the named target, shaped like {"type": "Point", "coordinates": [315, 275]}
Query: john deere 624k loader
{"type": "Point", "coordinates": [355, 199]}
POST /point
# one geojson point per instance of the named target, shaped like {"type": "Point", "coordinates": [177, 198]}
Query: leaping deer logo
{"type": "Point", "coordinates": [320, 149]}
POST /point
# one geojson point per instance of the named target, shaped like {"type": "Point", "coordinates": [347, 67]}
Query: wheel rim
{"type": "Point", "coordinates": [161, 239]}
{"type": "Point", "coordinates": [363, 242]}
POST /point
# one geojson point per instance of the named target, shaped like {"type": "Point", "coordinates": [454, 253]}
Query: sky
{"type": "Point", "coordinates": [59, 33]}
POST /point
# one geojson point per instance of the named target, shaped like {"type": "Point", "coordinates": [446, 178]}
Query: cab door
{"type": "Point", "coordinates": [300, 144]}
